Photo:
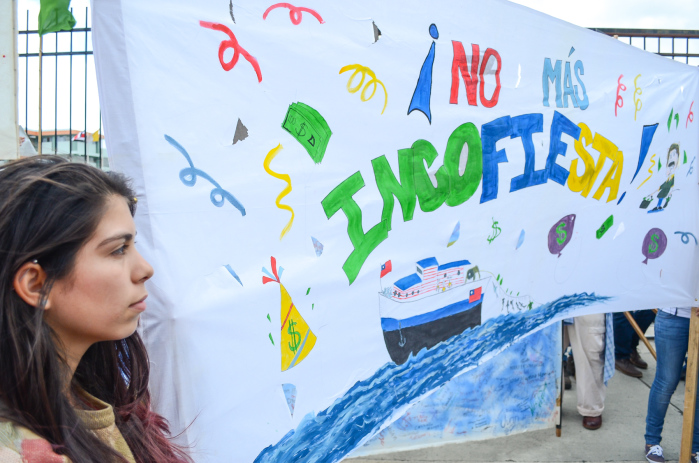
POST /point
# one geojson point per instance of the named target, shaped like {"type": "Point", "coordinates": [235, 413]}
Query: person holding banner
{"type": "Point", "coordinates": [671, 343]}
{"type": "Point", "coordinates": [73, 370]}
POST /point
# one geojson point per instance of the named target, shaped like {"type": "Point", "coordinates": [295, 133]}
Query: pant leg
{"type": "Point", "coordinates": [623, 336]}
{"type": "Point", "coordinates": [587, 340]}
{"type": "Point", "coordinates": [671, 340]}
{"type": "Point", "coordinates": [643, 318]}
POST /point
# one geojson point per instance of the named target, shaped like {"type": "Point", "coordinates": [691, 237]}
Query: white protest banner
{"type": "Point", "coordinates": [348, 205]}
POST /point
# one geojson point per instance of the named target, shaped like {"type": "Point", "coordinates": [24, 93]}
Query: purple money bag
{"type": "Point", "coordinates": [654, 244]}
{"type": "Point", "coordinates": [561, 233]}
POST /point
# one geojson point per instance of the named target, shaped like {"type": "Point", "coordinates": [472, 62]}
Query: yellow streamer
{"type": "Point", "coordinates": [268, 159]}
{"type": "Point", "coordinates": [650, 170]}
{"type": "Point", "coordinates": [637, 102]}
{"type": "Point", "coordinates": [376, 82]}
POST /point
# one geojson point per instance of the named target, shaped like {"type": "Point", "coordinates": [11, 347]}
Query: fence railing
{"type": "Point", "coordinates": [679, 45]}
{"type": "Point", "coordinates": [74, 141]}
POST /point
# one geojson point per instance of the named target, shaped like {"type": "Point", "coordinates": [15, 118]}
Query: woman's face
{"type": "Point", "coordinates": [104, 296]}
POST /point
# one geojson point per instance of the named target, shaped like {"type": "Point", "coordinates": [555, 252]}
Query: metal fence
{"type": "Point", "coordinates": [75, 45]}
{"type": "Point", "coordinates": [63, 51]}
{"type": "Point", "coordinates": [674, 44]}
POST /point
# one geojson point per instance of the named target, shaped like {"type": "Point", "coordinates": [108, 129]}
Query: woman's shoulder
{"type": "Point", "coordinates": [20, 445]}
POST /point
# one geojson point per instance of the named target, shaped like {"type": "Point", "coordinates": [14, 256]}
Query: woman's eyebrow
{"type": "Point", "coordinates": [122, 236]}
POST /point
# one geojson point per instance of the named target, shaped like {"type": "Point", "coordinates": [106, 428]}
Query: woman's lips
{"type": "Point", "coordinates": [139, 306]}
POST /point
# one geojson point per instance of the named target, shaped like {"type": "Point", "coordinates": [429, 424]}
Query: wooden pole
{"type": "Point", "coordinates": [640, 334]}
{"type": "Point", "coordinates": [690, 387]}
{"type": "Point", "coordinates": [41, 47]}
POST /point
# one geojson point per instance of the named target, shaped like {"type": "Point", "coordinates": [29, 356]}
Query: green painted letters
{"type": "Point", "coordinates": [364, 243]}
{"type": "Point", "coordinates": [388, 186]}
{"type": "Point", "coordinates": [462, 187]}
{"type": "Point", "coordinates": [430, 197]}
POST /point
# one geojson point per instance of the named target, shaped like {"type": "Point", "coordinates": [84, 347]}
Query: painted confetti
{"type": "Point", "coordinates": [241, 132]}
{"type": "Point", "coordinates": [233, 274]}
{"type": "Point", "coordinates": [455, 234]}
{"type": "Point", "coordinates": [318, 246]}
{"type": "Point", "coordinates": [268, 159]}
{"type": "Point", "coordinates": [290, 394]}
{"type": "Point", "coordinates": [620, 229]}
{"type": "Point", "coordinates": [520, 241]}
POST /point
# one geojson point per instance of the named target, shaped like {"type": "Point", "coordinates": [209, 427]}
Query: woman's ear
{"type": "Point", "coordinates": [28, 283]}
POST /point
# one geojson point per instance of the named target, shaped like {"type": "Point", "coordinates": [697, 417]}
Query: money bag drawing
{"type": "Point", "coordinates": [297, 339]}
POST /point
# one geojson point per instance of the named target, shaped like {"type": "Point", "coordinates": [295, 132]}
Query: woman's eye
{"type": "Point", "coordinates": [121, 250]}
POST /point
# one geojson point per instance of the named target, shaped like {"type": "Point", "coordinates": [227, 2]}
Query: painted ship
{"type": "Point", "coordinates": [429, 306]}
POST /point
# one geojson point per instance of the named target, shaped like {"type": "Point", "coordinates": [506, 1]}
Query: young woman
{"type": "Point", "coordinates": [73, 369]}
{"type": "Point", "coordinates": [671, 344]}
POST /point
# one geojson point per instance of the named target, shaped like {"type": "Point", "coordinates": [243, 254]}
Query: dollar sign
{"type": "Point", "coordinates": [302, 130]}
{"type": "Point", "coordinates": [295, 336]}
{"type": "Point", "coordinates": [653, 246]}
{"type": "Point", "coordinates": [496, 231]}
{"type": "Point", "coordinates": [562, 235]}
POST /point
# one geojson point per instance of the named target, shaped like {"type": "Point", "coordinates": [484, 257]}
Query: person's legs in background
{"type": "Point", "coordinates": [587, 340]}
{"type": "Point", "coordinates": [623, 341]}
{"type": "Point", "coordinates": [644, 318]}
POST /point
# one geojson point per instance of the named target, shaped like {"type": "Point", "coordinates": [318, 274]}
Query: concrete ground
{"type": "Point", "coordinates": [619, 439]}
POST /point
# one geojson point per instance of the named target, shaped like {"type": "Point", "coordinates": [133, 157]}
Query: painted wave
{"type": "Point", "coordinates": [333, 433]}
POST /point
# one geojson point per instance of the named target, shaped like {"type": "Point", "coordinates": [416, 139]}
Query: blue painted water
{"type": "Point", "coordinates": [334, 432]}
{"type": "Point", "coordinates": [515, 393]}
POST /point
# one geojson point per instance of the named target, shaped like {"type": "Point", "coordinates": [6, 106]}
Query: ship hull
{"type": "Point", "coordinates": [409, 336]}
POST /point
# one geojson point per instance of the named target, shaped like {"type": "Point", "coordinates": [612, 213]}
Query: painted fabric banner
{"type": "Point", "coordinates": [349, 205]}
{"type": "Point", "coordinates": [515, 393]}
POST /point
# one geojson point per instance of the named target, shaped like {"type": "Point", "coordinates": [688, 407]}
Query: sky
{"type": "Point", "coordinates": [627, 14]}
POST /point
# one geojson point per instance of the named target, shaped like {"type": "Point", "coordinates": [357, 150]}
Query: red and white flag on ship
{"type": "Point", "coordinates": [386, 268]}
{"type": "Point", "coordinates": [474, 294]}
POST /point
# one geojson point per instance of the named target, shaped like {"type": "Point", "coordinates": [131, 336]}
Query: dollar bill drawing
{"type": "Point", "coordinates": [309, 128]}
{"type": "Point", "coordinates": [605, 226]}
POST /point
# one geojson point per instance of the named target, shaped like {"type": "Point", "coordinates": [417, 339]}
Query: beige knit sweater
{"type": "Point", "coordinates": [19, 445]}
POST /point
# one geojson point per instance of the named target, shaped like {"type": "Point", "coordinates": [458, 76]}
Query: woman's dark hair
{"type": "Point", "coordinates": [49, 208]}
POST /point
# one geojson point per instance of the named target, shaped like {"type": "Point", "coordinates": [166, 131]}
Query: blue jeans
{"type": "Point", "coordinates": [671, 341]}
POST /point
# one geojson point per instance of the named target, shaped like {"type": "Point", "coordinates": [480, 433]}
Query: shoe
{"type": "Point", "coordinates": [567, 383]}
{"type": "Point", "coordinates": [636, 360]}
{"type": "Point", "coordinates": [625, 366]}
{"type": "Point", "coordinates": [654, 454]}
{"type": "Point", "coordinates": [592, 422]}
